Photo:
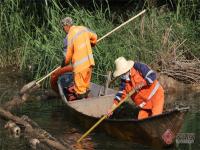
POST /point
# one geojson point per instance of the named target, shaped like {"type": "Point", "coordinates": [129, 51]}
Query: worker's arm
{"type": "Point", "coordinates": [148, 74]}
{"type": "Point", "coordinates": [125, 88]}
{"type": "Point", "coordinates": [93, 38]}
{"type": "Point", "coordinates": [65, 44]}
{"type": "Point", "coordinates": [64, 51]}
{"type": "Point", "coordinates": [69, 52]}
{"type": "Point", "coordinates": [121, 94]}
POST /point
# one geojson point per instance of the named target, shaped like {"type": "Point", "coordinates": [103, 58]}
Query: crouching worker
{"type": "Point", "coordinates": [79, 52]}
{"type": "Point", "coordinates": [149, 96]}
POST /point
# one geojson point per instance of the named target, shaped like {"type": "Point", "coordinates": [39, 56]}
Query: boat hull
{"type": "Point", "coordinates": [148, 131]}
{"type": "Point", "coordinates": [156, 131]}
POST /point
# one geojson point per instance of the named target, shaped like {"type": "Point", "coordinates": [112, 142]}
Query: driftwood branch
{"type": "Point", "coordinates": [37, 137]}
{"type": "Point", "coordinates": [177, 61]}
{"type": "Point", "coordinates": [16, 101]}
{"type": "Point", "coordinates": [19, 99]}
{"type": "Point", "coordinates": [33, 132]}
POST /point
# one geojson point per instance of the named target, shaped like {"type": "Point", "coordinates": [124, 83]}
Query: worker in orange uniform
{"type": "Point", "coordinates": [149, 96]}
{"type": "Point", "coordinates": [79, 52]}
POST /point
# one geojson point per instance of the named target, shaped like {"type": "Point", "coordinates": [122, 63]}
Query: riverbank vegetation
{"type": "Point", "coordinates": [31, 37]}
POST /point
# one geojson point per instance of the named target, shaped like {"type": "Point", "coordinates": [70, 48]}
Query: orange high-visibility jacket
{"type": "Point", "coordinates": [79, 49]}
{"type": "Point", "coordinates": [143, 97]}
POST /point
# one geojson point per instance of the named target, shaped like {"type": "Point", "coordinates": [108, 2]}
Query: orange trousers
{"type": "Point", "coordinates": [157, 106]}
{"type": "Point", "coordinates": [82, 80]}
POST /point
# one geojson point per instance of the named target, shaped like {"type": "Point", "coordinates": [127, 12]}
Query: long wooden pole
{"type": "Point", "coordinates": [142, 12]}
{"type": "Point", "coordinates": [105, 116]}
{"type": "Point", "coordinates": [47, 75]}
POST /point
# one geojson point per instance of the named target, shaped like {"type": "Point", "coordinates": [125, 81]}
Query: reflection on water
{"type": "Point", "coordinates": [53, 117]}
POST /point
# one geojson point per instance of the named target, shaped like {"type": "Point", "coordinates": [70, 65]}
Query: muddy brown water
{"type": "Point", "coordinates": [52, 116]}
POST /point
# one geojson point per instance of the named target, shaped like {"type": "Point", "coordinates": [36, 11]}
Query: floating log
{"type": "Point", "coordinates": [37, 137]}
{"type": "Point", "coordinates": [19, 99]}
{"type": "Point", "coordinates": [33, 133]}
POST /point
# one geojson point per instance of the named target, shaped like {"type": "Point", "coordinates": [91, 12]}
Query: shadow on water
{"type": "Point", "coordinates": [53, 117]}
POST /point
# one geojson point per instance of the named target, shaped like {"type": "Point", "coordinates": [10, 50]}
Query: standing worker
{"type": "Point", "coordinates": [79, 52]}
{"type": "Point", "coordinates": [149, 96]}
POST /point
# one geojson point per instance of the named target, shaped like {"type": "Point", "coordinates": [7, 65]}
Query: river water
{"type": "Point", "coordinates": [52, 116]}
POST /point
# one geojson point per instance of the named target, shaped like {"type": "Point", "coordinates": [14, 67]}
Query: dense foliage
{"type": "Point", "coordinates": [31, 36]}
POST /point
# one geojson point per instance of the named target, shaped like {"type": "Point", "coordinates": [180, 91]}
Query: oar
{"type": "Point", "coordinates": [31, 84]}
{"type": "Point", "coordinates": [106, 116]}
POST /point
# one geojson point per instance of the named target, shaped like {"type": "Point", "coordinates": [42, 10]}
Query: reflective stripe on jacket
{"type": "Point", "coordinates": [143, 97]}
{"type": "Point", "coordinates": [148, 74]}
{"type": "Point", "coordinates": [79, 49]}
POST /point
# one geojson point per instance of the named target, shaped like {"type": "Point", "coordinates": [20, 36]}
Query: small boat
{"type": "Point", "coordinates": [156, 131]}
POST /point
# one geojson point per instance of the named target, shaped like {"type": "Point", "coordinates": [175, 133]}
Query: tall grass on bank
{"type": "Point", "coordinates": [36, 45]}
{"type": "Point", "coordinates": [189, 8]}
{"type": "Point", "coordinates": [10, 31]}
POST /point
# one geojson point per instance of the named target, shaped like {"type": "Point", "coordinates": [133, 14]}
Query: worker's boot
{"type": "Point", "coordinates": [70, 89]}
{"type": "Point", "coordinates": [70, 93]}
{"type": "Point", "coordinates": [71, 97]}
{"type": "Point", "coordinates": [81, 96]}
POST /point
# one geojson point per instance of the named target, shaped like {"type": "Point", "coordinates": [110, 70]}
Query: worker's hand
{"type": "Point", "coordinates": [110, 112]}
{"type": "Point", "coordinates": [93, 44]}
{"type": "Point", "coordinates": [63, 63]}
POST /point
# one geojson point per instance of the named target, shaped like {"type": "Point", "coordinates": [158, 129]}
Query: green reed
{"type": "Point", "coordinates": [35, 44]}
{"type": "Point", "coordinates": [189, 8]}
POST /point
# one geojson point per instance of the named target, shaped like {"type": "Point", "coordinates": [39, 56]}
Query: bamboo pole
{"type": "Point", "coordinates": [142, 12]}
